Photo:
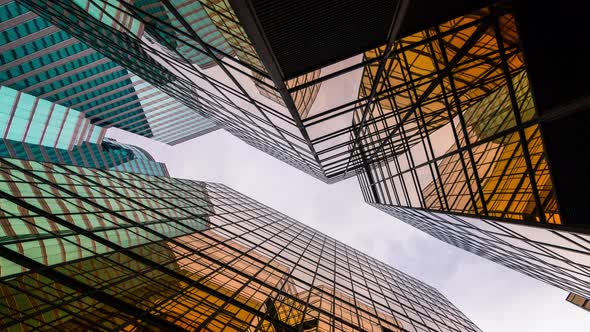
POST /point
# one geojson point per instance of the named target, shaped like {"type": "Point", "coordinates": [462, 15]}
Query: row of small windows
{"type": "Point", "coordinates": [23, 30]}
{"type": "Point", "coordinates": [11, 10]}
{"type": "Point", "coordinates": [28, 81]}
{"type": "Point", "coordinates": [88, 155]}
{"type": "Point", "coordinates": [73, 88]}
{"type": "Point", "coordinates": [33, 46]}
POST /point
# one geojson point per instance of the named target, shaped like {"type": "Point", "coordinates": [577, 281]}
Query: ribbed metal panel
{"type": "Point", "coordinates": [423, 14]}
{"type": "Point", "coordinates": [309, 33]}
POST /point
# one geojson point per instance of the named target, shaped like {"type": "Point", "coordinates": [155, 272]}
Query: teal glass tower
{"type": "Point", "coordinates": [39, 59]}
{"type": "Point", "coordinates": [33, 128]}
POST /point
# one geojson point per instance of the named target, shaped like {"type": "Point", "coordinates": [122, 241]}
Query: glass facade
{"type": "Point", "coordinates": [554, 256]}
{"type": "Point", "coordinates": [34, 120]}
{"type": "Point", "coordinates": [441, 119]}
{"type": "Point", "coordinates": [465, 141]}
{"type": "Point", "coordinates": [196, 16]}
{"type": "Point", "coordinates": [227, 24]}
{"type": "Point", "coordinates": [457, 150]}
{"type": "Point", "coordinates": [237, 93]}
{"type": "Point", "coordinates": [333, 121]}
{"type": "Point", "coordinates": [91, 249]}
{"type": "Point", "coordinates": [35, 129]}
{"type": "Point", "coordinates": [140, 161]}
{"type": "Point", "coordinates": [39, 59]}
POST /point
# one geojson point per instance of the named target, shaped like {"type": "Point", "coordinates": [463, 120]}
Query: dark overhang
{"type": "Point", "coordinates": [553, 41]}
{"type": "Point", "coordinates": [424, 14]}
{"type": "Point", "coordinates": [305, 35]}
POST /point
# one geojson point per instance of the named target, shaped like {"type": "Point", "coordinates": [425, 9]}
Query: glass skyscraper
{"type": "Point", "coordinates": [92, 249]}
{"type": "Point", "coordinates": [455, 117]}
{"type": "Point", "coordinates": [35, 129]}
{"type": "Point", "coordinates": [139, 161]}
{"type": "Point", "coordinates": [460, 155]}
{"type": "Point", "coordinates": [236, 93]}
{"type": "Point", "coordinates": [42, 60]}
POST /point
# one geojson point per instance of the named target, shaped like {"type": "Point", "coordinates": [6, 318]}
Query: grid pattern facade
{"type": "Point", "coordinates": [140, 161]}
{"type": "Point", "coordinates": [33, 120]}
{"type": "Point", "coordinates": [442, 120]}
{"type": "Point", "coordinates": [196, 16]}
{"type": "Point", "coordinates": [457, 149]}
{"type": "Point", "coordinates": [168, 120]}
{"type": "Point", "coordinates": [38, 58]}
{"type": "Point", "coordinates": [124, 251]}
{"type": "Point", "coordinates": [303, 99]}
{"type": "Point", "coordinates": [465, 140]}
{"type": "Point", "coordinates": [35, 129]}
{"type": "Point", "coordinates": [228, 25]}
{"type": "Point", "coordinates": [227, 95]}
{"type": "Point", "coordinates": [554, 256]}
{"type": "Point", "coordinates": [333, 122]}
{"type": "Point", "coordinates": [121, 157]}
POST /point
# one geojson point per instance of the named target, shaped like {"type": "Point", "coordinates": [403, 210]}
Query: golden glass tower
{"type": "Point", "coordinates": [92, 249]}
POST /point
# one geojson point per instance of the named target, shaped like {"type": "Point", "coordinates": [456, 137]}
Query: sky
{"type": "Point", "coordinates": [494, 297]}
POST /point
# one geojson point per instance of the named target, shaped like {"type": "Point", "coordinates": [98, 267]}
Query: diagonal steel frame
{"type": "Point", "coordinates": [394, 28]}
{"type": "Point", "coordinates": [247, 16]}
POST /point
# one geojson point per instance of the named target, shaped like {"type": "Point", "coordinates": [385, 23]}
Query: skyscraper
{"type": "Point", "coordinates": [463, 124]}
{"type": "Point", "coordinates": [236, 93]}
{"type": "Point", "coordinates": [42, 60]}
{"type": "Point", "coordinates": [140, 161]}
{"type": "Point", "coordinates": [35, 129]}
{"type": "Point", "coordinates": [469, 155]}
{"type": "Point", "coordinates": [104, 250]}
{"type": "Point", "coordinates": [196, 15]}
{"type": "Point", "coordinates": [456, 117]}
